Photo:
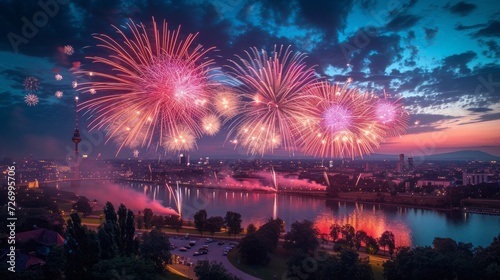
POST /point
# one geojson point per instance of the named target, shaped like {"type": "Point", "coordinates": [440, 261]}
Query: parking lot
{"type": "Point", "coordinates": [215, 253]}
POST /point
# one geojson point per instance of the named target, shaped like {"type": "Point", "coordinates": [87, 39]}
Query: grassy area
{"type": "Point", "coordinates": [277, 265]}
{"type": "Point", "coordinates": [377, 268]}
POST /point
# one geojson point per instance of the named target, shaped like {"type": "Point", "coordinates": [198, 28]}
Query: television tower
{"type": "Point", "coordinates": [76, 139]}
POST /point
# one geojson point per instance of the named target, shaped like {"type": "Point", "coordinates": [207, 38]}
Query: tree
{"type": "Point", "coordinates": [335, 230]}
{"type": "Point", "coordinates": [148, 216]}
{"type": "Point", "coordinates": [128, 242]}
{"type": "Point", "coordinates": [200, 220]}
{"type": "Point", "coordinates": [348, 233]}
{"type": "Point", "coordinates": [213, 270]}
{"type": "Point", "coordinates": [82, 249]}
{"type": "Point", "coordinates": [251, 228]}
{"type": "Point", "coordinates": [387, 239]}
{"type": "Point", "coordinates": [233, 223]}
{"type": "Point", "coordinates": [251, 249]}
{"type": "Point", "coordinates": [55, 263]}
{"type": "Point", "coordinates": [269, 234]}
{"type": "Point", "coordinates": [359, 237]}
{"type": "Point", "coordinates": [109, 212]}
{"type": "Point", "coordinates": [122, 217]}
{"type": "Point", "coordinates": [82, 205]}
{"type": "Point", "coordinates": [157, 221]}
{"type": "Point", "coordinates": [303, 235]}
{"type": "Point", "coordinates": [371, 245]}
{"type": "Point", "coordinates": [214, 224]}
{"type": "Point", "coordinates": [124, 268]}
{"type": "Point", "coordinates": [345, 266]}
{"type": "Point", "coordinates": [155, 246]}
{"type": "Point", "coordinates": [174, 221]}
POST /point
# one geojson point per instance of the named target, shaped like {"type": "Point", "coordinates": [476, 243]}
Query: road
{"type": "Point", "coordinates": [214, 254]}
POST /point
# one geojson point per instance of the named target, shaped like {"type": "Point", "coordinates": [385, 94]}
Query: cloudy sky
{"type": "Point", "coordinates": [441, 56]}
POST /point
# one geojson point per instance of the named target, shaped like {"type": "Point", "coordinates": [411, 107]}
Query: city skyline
{"type": "Point", "coordinates": [439, 57]}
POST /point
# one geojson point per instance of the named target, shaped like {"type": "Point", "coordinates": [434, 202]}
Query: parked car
{"type": "Point", "coordinates": [225, 253]}
{"type": "Point", "coordinates": [197, 253]}
{"type": "Point", "coordinates": [182, 249]}
{"type": "Point", "coordinates": [222, 242]}
{"type": "Point", "coordinates": [192, 243]}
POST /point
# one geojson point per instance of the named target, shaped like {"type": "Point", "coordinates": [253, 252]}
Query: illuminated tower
{"type": "Point", "coordinates": [76, 139]}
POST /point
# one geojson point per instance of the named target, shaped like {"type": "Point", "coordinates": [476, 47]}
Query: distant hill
{"type": "Point", "coordinates": [458, 155]}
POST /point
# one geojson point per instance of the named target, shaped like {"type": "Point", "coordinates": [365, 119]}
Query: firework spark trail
{"type": "Point", "coordinates": [156, 73]}
{"type": "Point", "coordinates": [342, 124]}
{"type": "Point", "coordinates": [177, 197]}
{"type": "Point", "coordinates": [272, 88]}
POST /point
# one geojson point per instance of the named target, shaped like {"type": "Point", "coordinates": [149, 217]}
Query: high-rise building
{"type": "Point", "coordinates": [184, 160]}
{"type": "Point", "coordinates": [401, 164]}
{"type": "Point", "coordinates": [410, 163]}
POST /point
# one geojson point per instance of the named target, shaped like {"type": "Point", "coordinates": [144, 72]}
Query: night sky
{"type": "Point", "coordinates": [441, 56]}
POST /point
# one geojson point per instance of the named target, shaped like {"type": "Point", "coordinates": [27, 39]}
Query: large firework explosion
{"type": "Point", "coordinates": [272, 88]}
{"type": "Point", "coordinates": [156, 73]}
{"type": "Point", "coordinates": [342, 123]}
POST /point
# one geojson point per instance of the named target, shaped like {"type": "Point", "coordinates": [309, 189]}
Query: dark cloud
{"type": "Point", "coordinates": [484, 118]}
{"type": "Point", "coordinates": [459, 62]}
{"type": "Point", "coordinates": [492, 30]}
{"type": "Point", "coordinates": [402, 21]}
{"type": "Point", "coordinates": [461, 27]}
{"type": "Point", "coordinates": [430, 33]}
{"type": "Point", "coordinates": [479, 110]}
{"type": "Point", "coordinates": [493, 49]}
{"type": "Point", "coordinates": [462, 8]}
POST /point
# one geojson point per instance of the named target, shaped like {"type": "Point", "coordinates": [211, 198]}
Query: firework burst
{"type": "Point", "coordinates": [59, 94]}
{"type": "Point", "coordinates": [155, 72]}
{"type": "Point", "coordinates": [272, 87]}
{"type": "Point", "coordinates": [391, 113]}
{"type": "Point", "coordinates": [342, 124]}
{"type": "Point", "coordinates": [68, 49]}
{"type": "Point", "coordinates": [181, 140]}
{"type": "Point", "coordinates": [226, 102]}
{"type": "Point", "coordinates": [211, 124]}
{"type": "Point", "coordinates": [31, 99]}
{"type": "Point", "coordinates": [58, 77]}
{"type": "Point", "coordinates": [30, 84]}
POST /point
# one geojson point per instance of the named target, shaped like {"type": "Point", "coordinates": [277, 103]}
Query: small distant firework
{"type": "Point", "coordinates": [155, 72]}
{"type": "Point", "coordinates": [30, 84]}
{"type": "Point", "coordinates": [272, 87]}
{"type": "Point", "coordinates": [211, 124]}
{"type": "Point", "coordinates": [59, 94]}
{"type": "Point", "coordinates": [392, 114]}
{"type": "Point", "coordinates": [136, 153]}
{"type": "Point", "coordinates": [58, 77]}
{"type": "Point", "coordinates": [74, 84]}
{"type": "Point", "coordinates": [68, 49]}
{"type": "Point", "coordinates": [92, 91]}
{"type": "Point", "coordinates": [181, 140]}
{"type": "Point", "coordinates": [226, 103]}
{"type": "Point", "coordinates": [417, 122]}
{"type": "Point", "coordinates": [31, 99]}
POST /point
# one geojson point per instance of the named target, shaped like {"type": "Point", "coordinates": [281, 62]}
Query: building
{"type": "Point", "coordinates": [410, 164]}
{"type": "Point", "coordinates": [184, 160]}
{"type": "Point", "coordinates": [400, 166]}
{"type": "Point", "coordinates": [474, 178]}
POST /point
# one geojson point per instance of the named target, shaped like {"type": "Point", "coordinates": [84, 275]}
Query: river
{"type": "Point", "coordinates": [411, 226]}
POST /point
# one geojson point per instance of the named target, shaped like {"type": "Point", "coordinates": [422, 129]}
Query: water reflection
{"type": "Point", "coordinates": [410, 226]}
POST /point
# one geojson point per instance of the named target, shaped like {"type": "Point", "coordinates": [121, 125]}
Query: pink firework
{"type": "Point", "coordinates": [68, 49]}
{"type": "Point", "coordinates": [58, 77]}
{"type": "Point", "coordinates": [165, 78]}
{"type": "Point", "coordinates": [30, 84]}
{"type": "Point", "coordinates": [59, 94]}
{"type": "Point", "coordinates": [342, 123]}
{"type": "Point", "coordinates": [392, 114]}
{"type": "Point", "coordinates": [31, 99]}
{"type": "Point", "coordinates": [272, 87]}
